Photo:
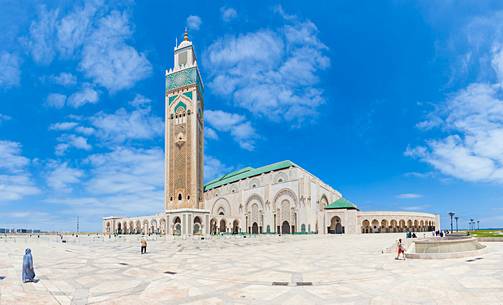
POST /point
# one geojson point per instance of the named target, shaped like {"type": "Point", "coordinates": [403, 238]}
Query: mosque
{"type": "Point", "coordinates": [277, 198]}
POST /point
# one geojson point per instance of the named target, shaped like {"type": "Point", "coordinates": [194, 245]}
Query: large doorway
{"type": "Point", "coordinates": [222, 226]}
{"type": "Point", "coordinates": [177, 228]}
{"type": "Point", "coordinates": [285, 227]}
{"type": "Point", "coordinates": [235, 227]}
{"type": "Point", "coordinates": [255, 228]}
{"type": "Point", "coordinates": [335, 226]}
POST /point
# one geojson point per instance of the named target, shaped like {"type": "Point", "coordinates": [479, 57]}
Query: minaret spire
{"type": "Point", "coordinates": [186, 35]}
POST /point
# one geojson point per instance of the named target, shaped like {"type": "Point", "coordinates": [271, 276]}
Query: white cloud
{"type": "Point", "coordinates": [122, 125]}
{"type": "Point", "coordinates": [228, 13]}
{"type": "Point", "coordinates": [63, 126]}
{"type": "Point", "coordinates": [109, 60]}
{"type": "Point", "coordinates": [41, 40]}
{"type": "Point", "coordinates": [84, 130]}
{"type": "Point", "coordinates": [15, 180]}
{"type": "Point", "coordinates": [271, 73]}
{"type": "Point", "coordinates": [417, 207]}
{"type": "Point", "coordinates": [140, 101]}
{"type": "Point", "coordinates": [213, 168]}
{"type": "Point", "coordinates": [96, 37]}
{"type": "Point", "coordinates": [237, 125]}
{"type": "Point", "coordinates": [11, 159]}
{"type": "Point", "coordinates": [4, 117]}
{"type": "Point", "coordinates": [408, 196]}
{"type": "Point", "coordinates": [64, 79]}
{"type": "Point", "coordinates": [123, 181]}
{"type": "Point", "coordinates": [60, 176]}
{"type": "Point", "coordinates": [68, 141]}
{"type": "Point", "coordinates": [210, 133]}
{"type": "Point", "coordinates": [472, 148]}
{"type": "Point", "coordinates": [10, 71]}
{"type": "Point", "coordinates": [74, 28]}
{"type": "Point", "coordinates": [194, 22]}
{"type": "Point", "coordinates": [56, 100]}
{"type": "Point", "coordinates": [84, 96]}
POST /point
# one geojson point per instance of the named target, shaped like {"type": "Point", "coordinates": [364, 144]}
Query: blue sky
{"type": "Point", "coordinates": [396, 104]}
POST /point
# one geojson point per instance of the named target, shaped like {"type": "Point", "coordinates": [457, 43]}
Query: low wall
{"type": "Point", "coordinates": [445, 248]}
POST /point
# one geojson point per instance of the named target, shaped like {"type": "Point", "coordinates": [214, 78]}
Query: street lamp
{"type": "Point", "coordinates": [472, 223]}
{"type": "Point", "coordinates": [478, 224]}
{"type": "Point", "coordinates": [456, 223]}
{"type": "Point", "coordinates": [452, 215]}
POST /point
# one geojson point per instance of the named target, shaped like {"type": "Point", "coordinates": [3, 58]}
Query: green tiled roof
{"type": "Point", "coordinates": [246, 172]}
{"type": "Point", "coordinates": [341, 203]}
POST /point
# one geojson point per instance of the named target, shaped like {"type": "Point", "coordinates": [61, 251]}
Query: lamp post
{"type": "Point", "coordinates": [451, 214]}
{"type": "Point", "coordinates": [456, 223]}
{"type": "Point", "coordinates": [478, 224]}
{"type": "Point", "coordinates": [472, 224]}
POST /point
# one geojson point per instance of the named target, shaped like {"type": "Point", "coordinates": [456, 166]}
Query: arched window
{"type": "Point", "coordinates": [180, 196]}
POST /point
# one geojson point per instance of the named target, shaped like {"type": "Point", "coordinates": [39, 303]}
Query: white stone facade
{"type": "Point", "coordinates": [289, 200]}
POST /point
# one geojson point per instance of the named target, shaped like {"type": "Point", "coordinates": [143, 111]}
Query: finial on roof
{"type": "Point", "coordinates": [186, 35]}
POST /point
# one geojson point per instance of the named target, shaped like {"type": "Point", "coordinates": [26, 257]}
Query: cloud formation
{"type": "Point", "coordinates": [94, 35]}
{"type": "Point", "coordinates": [235, 124]}
{"type": "Point", "coordinates": [228, 13]}
{"type": "Point", "coordinates": [15, 178]}
{"type": "Point", "coordinates": [194, 22]}
{"type": "Point", "coordinates": [272, 73]}
{"type": "Point", "coordinates": [471, 119]}
{"type": "Point", "coordinates": [10, 73]}
{"type": "Point", "coordinates": [408, 196]}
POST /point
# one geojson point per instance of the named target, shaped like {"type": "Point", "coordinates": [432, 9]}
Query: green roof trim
{"type": "Point", "coordinates": [188, 94]}
{"type": "Point", "coordinates": [172, 99]}
{"type": "Point", "coordinates": [247, 172]}
{"type": "Point", "coordinates": [180, 104]}
{"type": "Point", "coordinates": [341, 203]}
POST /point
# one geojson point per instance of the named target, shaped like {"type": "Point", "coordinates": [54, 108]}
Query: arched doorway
{"type": "Point", "coordinates": [365, 226]}
{"type": "Point", "coordinates": [285, 227]}
{"type": "Point", "coordinates": [222, 226]}
{"type": "Point", "coordinates": [335, 226]}
{"type": "Point", "coordinates": [177, 227]}
{"type": "Point", "coordinates": [197, 230]}
{"type": "Point", "coordinates": [119, 229]}
{"type": "Point", "coordinates": [213, 226]}
{"type": "Point", "coordinates": [235, 227]}
{"type": "Point", "coordinates": [375, 226]}
{"type": "Point", "coordinates": [255, 228]}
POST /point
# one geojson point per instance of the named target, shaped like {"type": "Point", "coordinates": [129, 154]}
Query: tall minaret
{"type": "Point", "coordinates": [184, 131]}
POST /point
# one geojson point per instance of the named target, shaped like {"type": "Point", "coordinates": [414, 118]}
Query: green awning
{"type": "Point", "coordinates": [341, 203]}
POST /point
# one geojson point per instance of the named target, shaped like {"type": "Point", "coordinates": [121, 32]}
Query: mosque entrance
{"type": "Point", "coordinates": [255, 228]}
{"type": "Point", "coordinates": [285, 227]}
{"type": "Point", "coordinates": [235, 227]}
{"type": "Point", "coordinates": [177, 227]}
{"type": "Point", "coordinates": [222, 226]}
{"type": "Point", "coordinates": [335, 226]}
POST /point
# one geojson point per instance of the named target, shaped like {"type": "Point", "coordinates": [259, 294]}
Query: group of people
{"type": "Point", "coordinates": [440, 233]}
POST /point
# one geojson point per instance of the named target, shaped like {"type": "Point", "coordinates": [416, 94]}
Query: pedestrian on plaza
{"type": "Point", "coordinates": [400, 249]}
{"type": "Point", "coordinates": [28, 271]}
{"type": "Point", "coordinates": [143, 243]}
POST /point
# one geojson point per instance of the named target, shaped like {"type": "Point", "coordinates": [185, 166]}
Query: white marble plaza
{"type": "Point", "coordinates": [343, 269]}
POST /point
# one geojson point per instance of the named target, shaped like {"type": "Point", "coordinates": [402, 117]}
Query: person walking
{"type": "Point", "coordinates": [28, 271]}
{"type": "Point", "coordinates": [400, 249]}
{"type": "Point", "coordinates": [143, 243]}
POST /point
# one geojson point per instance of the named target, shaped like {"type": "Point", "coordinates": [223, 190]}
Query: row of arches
{"type": "Point", "coordinates": [393, 226]}
{"type": "Point", "coordinates": [151, 226]}
{"type": "Point", "coordinates": [220, 226]}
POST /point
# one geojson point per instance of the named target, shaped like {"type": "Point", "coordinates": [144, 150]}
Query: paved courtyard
{"type": "Point", "coordinates": [336, 269]}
